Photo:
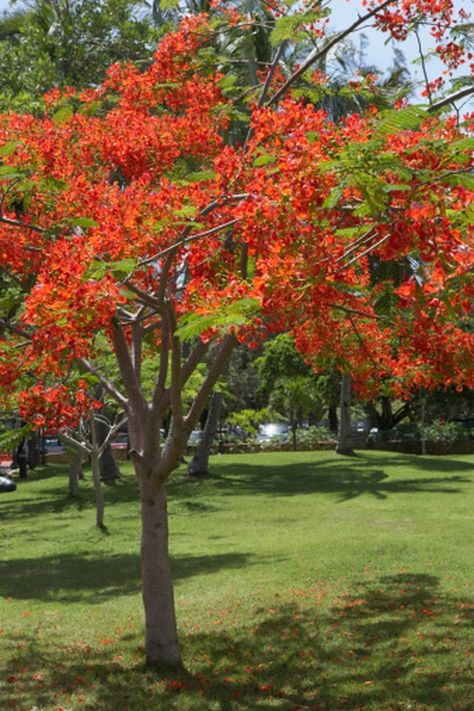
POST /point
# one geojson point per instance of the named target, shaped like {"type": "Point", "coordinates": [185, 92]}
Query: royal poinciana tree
{"type": "Point", "coordinates": [132, 225]}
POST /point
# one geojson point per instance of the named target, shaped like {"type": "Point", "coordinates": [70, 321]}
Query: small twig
{"type": "Point", "coordinates": [369, 249]}
{"type": "Point", "coordinates": [423, 66]}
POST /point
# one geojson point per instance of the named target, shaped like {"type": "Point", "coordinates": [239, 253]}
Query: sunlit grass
{"type": "Point", "coordinates": [303, 581]}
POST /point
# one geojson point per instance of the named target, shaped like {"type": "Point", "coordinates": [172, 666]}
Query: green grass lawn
{"type": "Point", "coordinates": [304, 581]}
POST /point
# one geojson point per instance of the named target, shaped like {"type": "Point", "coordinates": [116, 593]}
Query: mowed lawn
{"type": "Point", "coordinates": [304, 581]}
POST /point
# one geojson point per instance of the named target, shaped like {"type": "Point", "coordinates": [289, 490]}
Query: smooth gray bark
{"type": "Point", "coordinates": [99, 493]}
{"type": "Point", "coordinates": [199, 465]}
{"type": "Point", "coordinates": [345, 443]}
{"type": "Point", "coordinates": [75, 472]}
{"type": "Point", "coordinates": [423, 422]}
{"type": "Point", "coordinates": [161, 636]}
{"type": "Point", "coordinates": [95, 466]}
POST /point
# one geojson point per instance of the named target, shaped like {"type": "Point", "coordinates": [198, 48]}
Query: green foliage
{"type": "Point", "coordinates": [441, 431]}
{"type": "Point", "coordinates": [296, 398]}
{"type": "Point", "coordinates": [279, 359]}
{"type": "Point", "coordinates": [192, 324]}
{"type": "Point", "coordinates": [48, 44]}
{"type": "Point", "coordinates": [294, 27]}
{"type": "Point", "coordinates": [396, 120]}
{"type": "Point", "coordinates": [314, 437]}
{"type": "Point", "coordinates": [248, 420]}
{"type": "Point", "coordinates": [10, 438]}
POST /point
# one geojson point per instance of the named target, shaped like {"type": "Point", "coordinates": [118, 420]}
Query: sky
{"type": "Point", "coordinates": [378, 53]}
{"type": "Point", "coordinates": [381, 54]}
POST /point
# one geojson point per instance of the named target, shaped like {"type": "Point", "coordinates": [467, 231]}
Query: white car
{"type": "Point", "coordinates": [273, 431]}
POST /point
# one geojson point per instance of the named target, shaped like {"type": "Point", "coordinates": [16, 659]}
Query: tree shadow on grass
{"type": "Point", "coordinates": [396, 643]}
{"type": "Point", "coordinates": [92, 579]}
{"type": "Point", "coordinates": [346, 478]}
{"type": "Point", "coordinates": [347, 481]}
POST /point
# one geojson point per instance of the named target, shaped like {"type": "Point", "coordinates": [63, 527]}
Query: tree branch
{"type": "Point", "coordinates": [320, 53]}
{"type": "Point", "coordinates": [175, 386]}
{"type": "Point", "coordinates": [113, 429]}
{"type": "Point", "coordinates": [127, 371]}
{"type": "Point", "coordinates": [108, 385]}
{"type": "Point", "coordinates": [190, 238]}
{"type": "Point", "coordinates": [25, 225]}
{"type": "Point", "coordinates": [451, 99]}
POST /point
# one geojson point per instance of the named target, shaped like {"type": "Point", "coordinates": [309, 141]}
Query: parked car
{"type": "Point", "coordinates": [273, 431]}
{"type": "Point", "coordinates": [194, 438]}
{"type": "Point", "coordinates": [52, 445]}
{"type": "Point", "coordinates": [6, 484]}
{"type": "Point", "coordinates": [120, 441]}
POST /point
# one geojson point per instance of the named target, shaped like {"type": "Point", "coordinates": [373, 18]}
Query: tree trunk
{"type": "Point", "coordinates": [294, 426]}
{"type": "Point", "coordinates": [34, 450]}
{"type": "Point", "coordinates": [161, 636]}
{"type": "Point", "coordinates": [423, 422]}
{"type": "Point", "coordinates": [75, 472]}
{"type": "Point", "coordinates": [345, 443]}
{"type": "Point", "coordinates": [199, 465]}
{"type": "Point", "coordinates": [20, 459]}
{"type": "Point", "coordinates": [99, 493]}
{"type": "Point", "coordinates": [332, 419]}
{"type": "Point", "coordinates": [109, 470]}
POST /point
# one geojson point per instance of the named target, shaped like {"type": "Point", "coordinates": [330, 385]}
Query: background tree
{"type": "Point", "coordinates": [295, 398]}
{"type": "Point", "coordinates": [58, 43]}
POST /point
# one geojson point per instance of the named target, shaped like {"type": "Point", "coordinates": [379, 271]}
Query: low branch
{"type": "Point", "coordinates": [366, 251]}
{"type": "Point", "coordinates": [163, 372]}
{"type": "Point", "coordinates": [358, 312]}
{"type": "Point", "coordinates": [82, 447]}
{"type": "Point", "coordinates": [193, 359]}
{"type": "Point", "coordinates": [17, 330]}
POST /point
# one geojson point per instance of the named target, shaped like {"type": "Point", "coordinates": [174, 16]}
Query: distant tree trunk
{"type": "Point", "coordinates": [34, 449]}
{"type": "Point", "coordinates": [345, 443]}
{"type": "Point", "coordinates": [332, 419]}
{"type": "Point", "coordinates": [75, 472]}
{"type": "Point", "coordinates": [99, 493]}
{"type": "Point", "coordinates": [95, 466]}
{"type": "Point", "coordinates": [423, 422]}
{"type": "Point", "coordinates": [109, 469]}
{"type": "Point", "coordinates": [20, 459]}
{"type": "Point", "coordinates": [386, 419]}
{"type": "Point", "coordinates": [294, 427]}
{"type": "Point", "coordinates": [199, 465]}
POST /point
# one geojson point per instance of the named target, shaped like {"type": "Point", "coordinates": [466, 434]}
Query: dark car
{"type": "Point", "coordinates": [52, 445]}
{"type": "Point", "coordinates": [6, 484]}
